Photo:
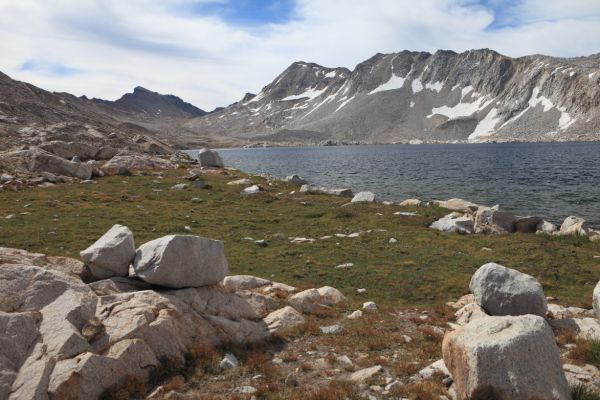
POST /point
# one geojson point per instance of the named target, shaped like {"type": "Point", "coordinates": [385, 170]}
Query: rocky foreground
{"type": "Point", "coordinates": [75, 330]}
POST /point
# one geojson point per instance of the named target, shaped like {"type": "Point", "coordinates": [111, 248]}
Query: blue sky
{"type": "Point", "coordinates": [245, 12]}
{"type": "Point", "coordinates": [211, 52]}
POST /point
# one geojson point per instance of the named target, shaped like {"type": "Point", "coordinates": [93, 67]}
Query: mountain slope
{"type": "Point", "coordinates": [475, 96]}
{"type": "Point", "coordinates": [146, 102]}
{"type": "Point", "coordinates": [33, 116]}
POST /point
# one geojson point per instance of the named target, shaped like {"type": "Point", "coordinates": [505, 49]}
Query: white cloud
{"type": "Point", "coordinates": [108, 47]}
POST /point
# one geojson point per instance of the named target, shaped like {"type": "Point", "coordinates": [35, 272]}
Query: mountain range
{"type": "Point", "coordinates": [405, 97]}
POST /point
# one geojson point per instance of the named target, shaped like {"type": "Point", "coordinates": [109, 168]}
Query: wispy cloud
{"type": "Point", "coordinates": [48, 68]}
{"type": "Point", "coordinates": [211, 52]}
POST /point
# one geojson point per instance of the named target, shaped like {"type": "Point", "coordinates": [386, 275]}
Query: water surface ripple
{"type": "Point", "coordinates": [552, 180]}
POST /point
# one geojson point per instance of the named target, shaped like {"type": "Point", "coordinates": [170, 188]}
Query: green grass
{"type": "Point", "coordinates": [582, 392]}
{"type": "Point", "coordinates": [424, 268]}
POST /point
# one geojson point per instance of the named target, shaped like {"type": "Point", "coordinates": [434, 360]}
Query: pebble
{"type": "Point", "coordinates": [10, 216]}
{"type": "Point", "coordinates": [345, 265]}
{"type": "Point", "coordinates": [261, 243]}
{"type": "Point", "coordinates": [245, 390]}
{"type": "Point", "coordinates": [406, 213]}
{"type": "Point", "coordinates": [88, 182]}
{"type": "Point", "coordinates": [196, 200]}
{"type": "Point", "coordinates": [291, 380]}
{"type": "Point", "coordinates": [179, 186]}
{"type": "Point", "coordinates": [332, 329]}
{"type": "Point", "coordinates": [354, 235]}
{"type": "Point", "coordinates": [407, 339]}
{"type": "Point", "coordinates": [393, 240]}
{"type": "Point", "coordinates": [361, 290]}
{"type": "Point", "coordinates": [187, 228]}
{"type": "Point", "coordinates": [355, 315]}
{"type": "Point", "coordinates": [486, 249]}
{"type": "Point", "coordinates": [369, 306]}
{"type": "Point", "coordinates": [229, 361]}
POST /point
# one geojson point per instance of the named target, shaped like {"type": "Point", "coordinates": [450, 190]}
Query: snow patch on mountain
{"type": "Point", "coordinates": [395, 82]}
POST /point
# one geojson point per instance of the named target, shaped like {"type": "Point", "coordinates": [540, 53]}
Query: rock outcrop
{"type": "Point", "coordinates": [504, 291]}
{"type": "Point", "coordinates": [61, 338]}
{"type": "Point", "coordinates": [505, 358]}
{"type": "Point", "coordinates": [38, 161]}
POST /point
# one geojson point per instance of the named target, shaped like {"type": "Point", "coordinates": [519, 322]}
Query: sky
{"type": "Point", "coordinates": [211, 52]}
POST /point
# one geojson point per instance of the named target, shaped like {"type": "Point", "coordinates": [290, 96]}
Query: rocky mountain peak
{"type": "Point", "coordinates": [477, 95]}
{"type": "Point", "coordinates": [149, 103]}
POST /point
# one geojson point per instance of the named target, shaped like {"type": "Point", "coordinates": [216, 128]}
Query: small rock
{"type": "Point", "coordinates": [332, 329]}
{"type": "Point", "coordinates": [363, 197]}
{"type": "Point", "coordinates": [245, 390]}
{"type": "Point", "coordinates": [345, 265]}
{"type": "Point", "coordinates": [229, 361]}
{"type": "Point", "coordinates": [361, 290]}
{"type": "Point", "coordinates": [392, 240]}
{"type": "Point", "coordinates": [354, 235]}
{"type": "Point", "coordinates": [196, 200]}
{"type": "Point", "coordinates": [291, 380]}
{"type": "Point", "coordinates": [410, 202]}
{"type": "Point", "coordinates": [88, 182]}
{"type": "Point", "coordinates": [355, 315]}
{"type": "Point", "coordinates": [406, 338]}
{"type": "Point", "coordinates": [244, 182]}
{"type": "Point", "coordinates": [344, 360]}
{"type": "Point", "coordinates": [179, 186]}
{"type": "Point", "coordinates": [362, 375]}
{"type": "Point", "coordinates": [261, 243]}
{"type": "Point", "coordinates": [295, 180]}
{"type": "Point", "coordinates": [406, 213]}
{"type": "Point", "coordinates": [199, 183]}
{"type": "Point", "coordinates": [254, 189]}
{"type": "Point", "coordinates": [369, 306]}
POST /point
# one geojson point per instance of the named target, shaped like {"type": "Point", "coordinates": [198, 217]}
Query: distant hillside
{"type": "Point", "coordinates": [144, 101]}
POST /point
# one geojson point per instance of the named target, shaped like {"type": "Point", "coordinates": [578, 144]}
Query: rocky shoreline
{"type": "Point", "coordinates": [75, 329]}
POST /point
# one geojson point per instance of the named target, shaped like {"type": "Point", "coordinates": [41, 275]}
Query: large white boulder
{"type": "Point", "coordinates": [210, 158]}
{"type": "Point", "coordinates": [112, 254]}
{"type": "Point", "coordinates": [505, 358]}
{"type": "Point", "coordinates": [363, 197]}
{"type": "Point", "coordinates": [504, 291]}
{"type": "Point", "coordinates": [454, 223]}
{"type": "Point", "coordinates": [574, 226]}
{"type": "Point", "coordinates": [181, 261]}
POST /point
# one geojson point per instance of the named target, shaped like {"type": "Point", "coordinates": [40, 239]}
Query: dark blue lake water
{"type": "Point", "coordinates": [551, 180]}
